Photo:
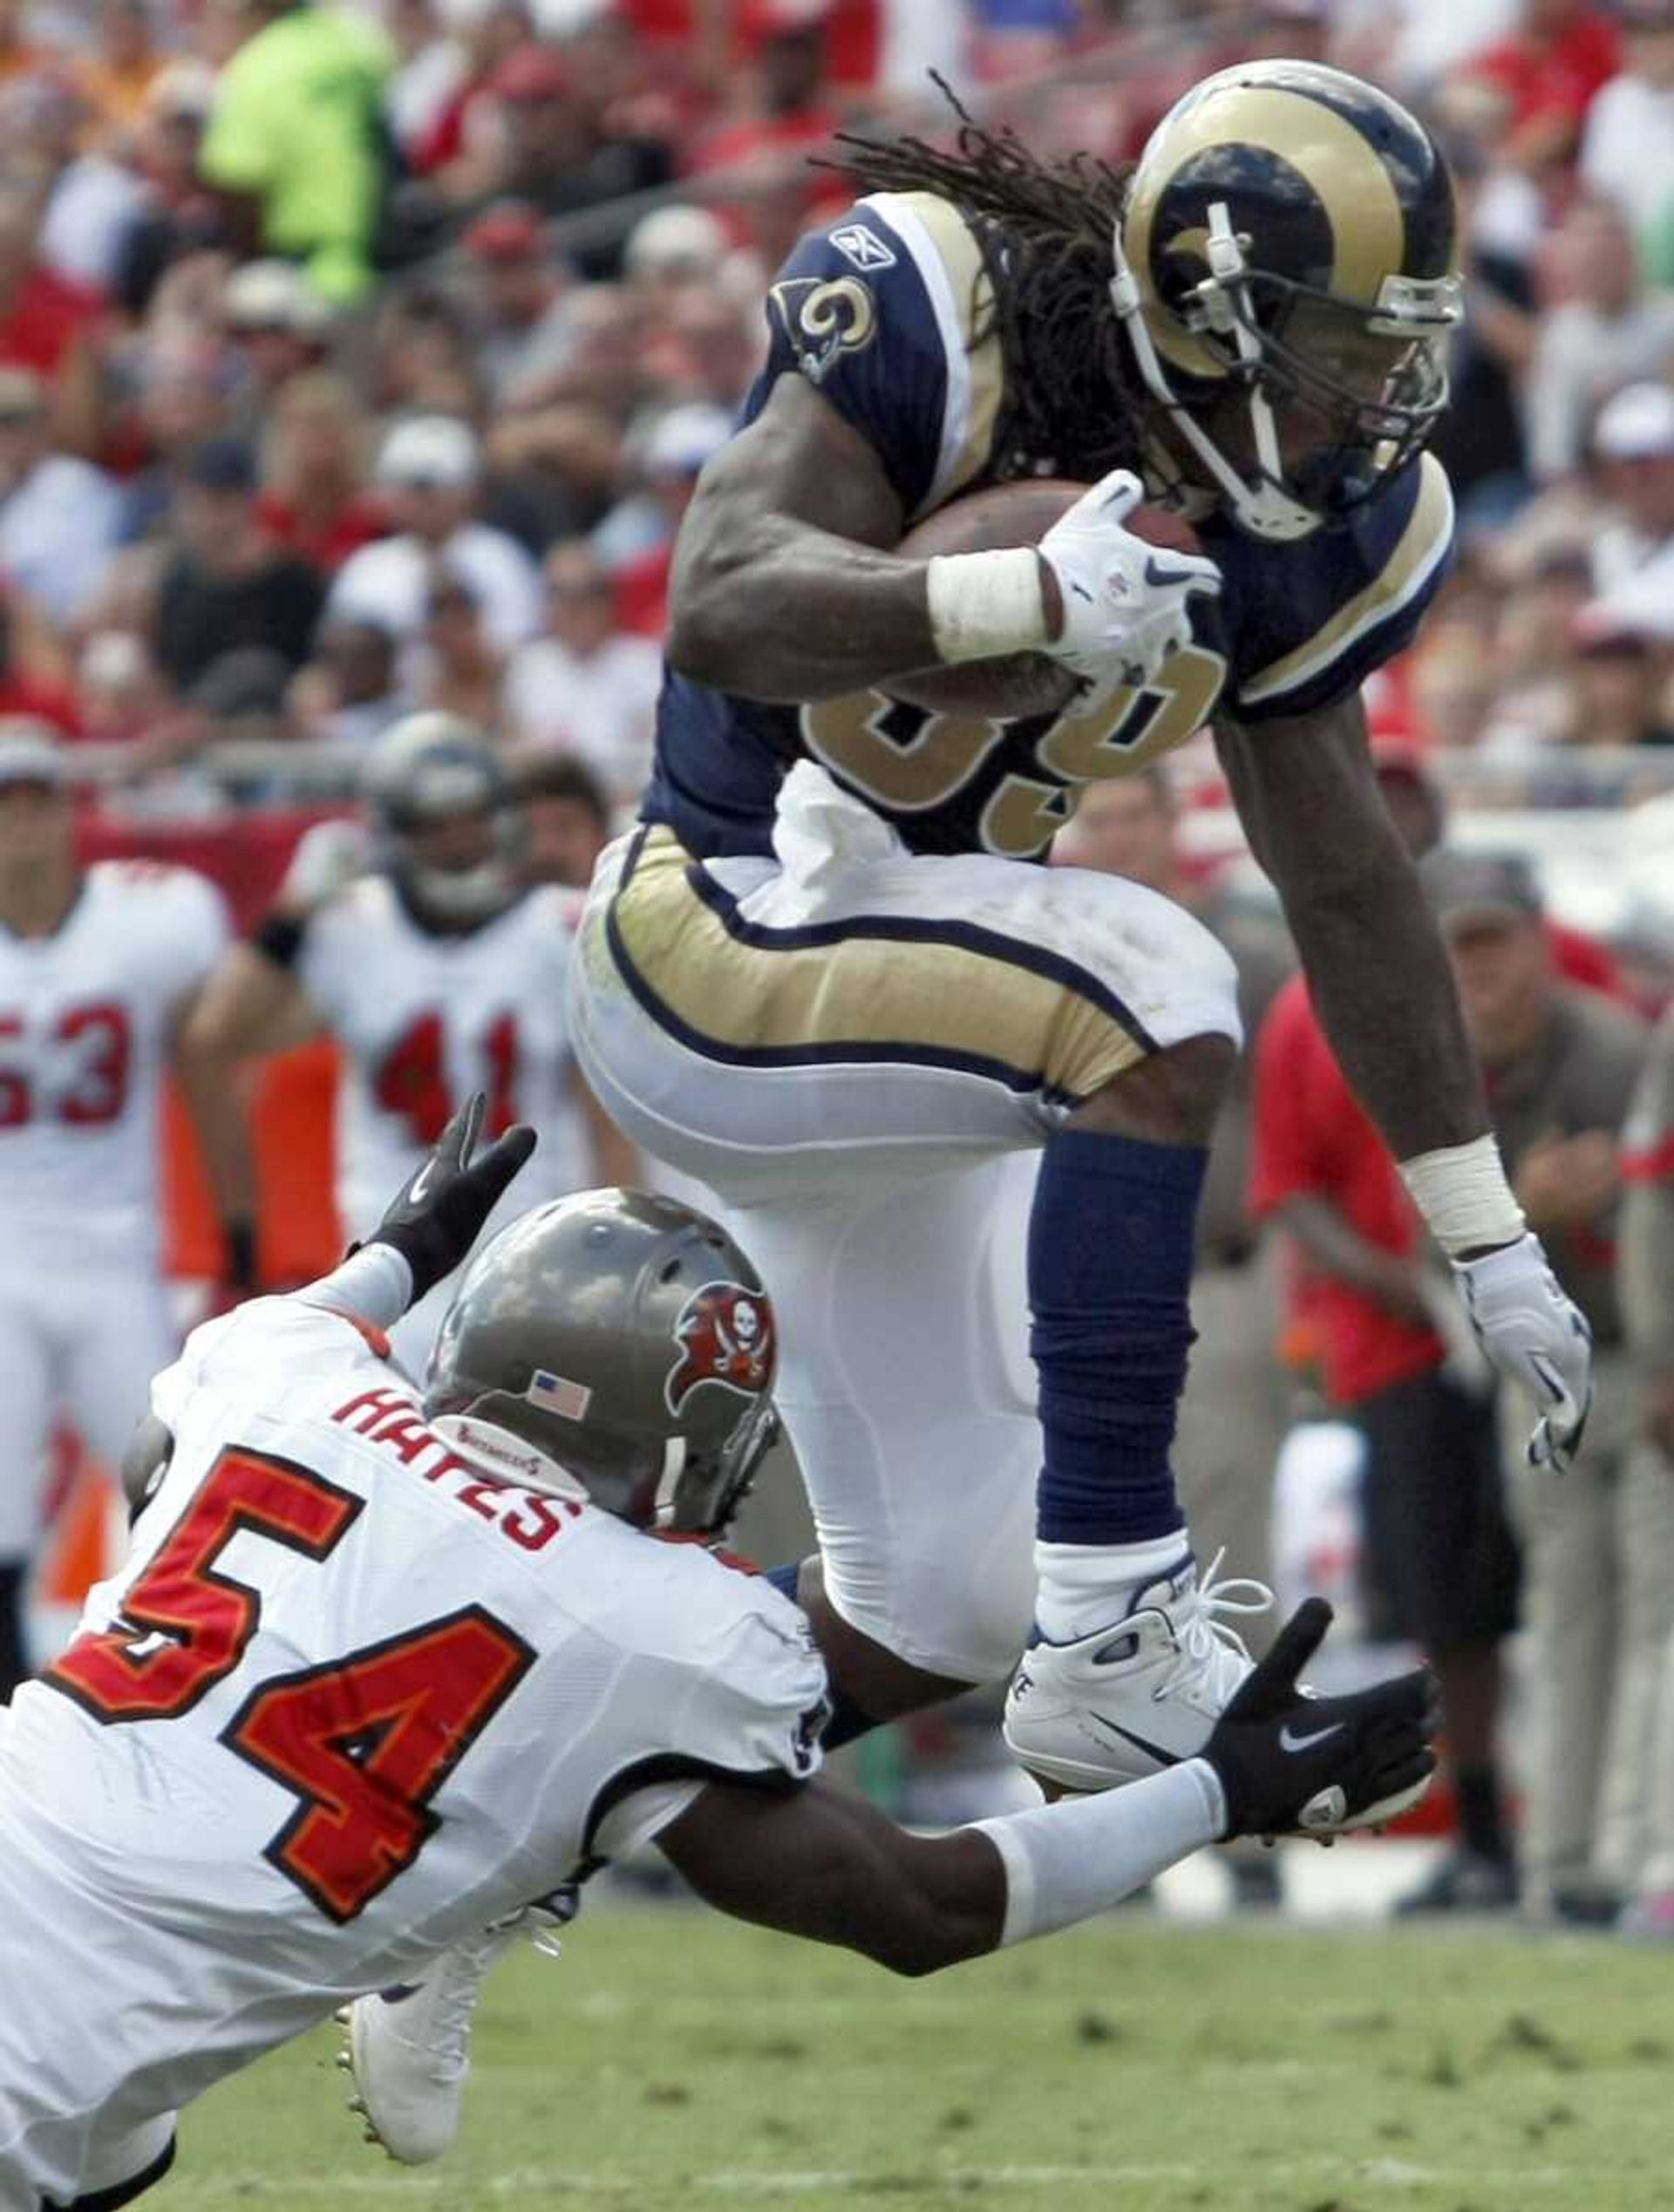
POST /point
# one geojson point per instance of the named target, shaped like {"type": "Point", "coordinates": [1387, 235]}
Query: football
{"type": "Point", "coordinates": [1012, 685]}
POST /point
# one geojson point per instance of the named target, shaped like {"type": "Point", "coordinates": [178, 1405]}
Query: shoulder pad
{"type": "Point", "coordinates": [1309, 623]}
{"type": "Point", "coordinates": [889, 313]}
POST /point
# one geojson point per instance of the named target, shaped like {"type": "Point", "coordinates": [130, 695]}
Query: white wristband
{"type": "Point", "coordinates": [1064, 1863]}
{"type": "Point", "coordinates": [986, 603]}
{"type": "Point", "coordinates": [1462, 1193]}
{"type": "Point", "coordinates": [375, 1282]}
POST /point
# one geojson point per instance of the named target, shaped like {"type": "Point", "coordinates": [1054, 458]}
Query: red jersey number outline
{"type": "Point", "coordinates": [98, 1091]}
{"type": "Point", "coordinates": [411, 1079]}
{"type": "Point", "coordinates": [184, 1627]}
{"type": "Point", "coordinates": [363, 1741]}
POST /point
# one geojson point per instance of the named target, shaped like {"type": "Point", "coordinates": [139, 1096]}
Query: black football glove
{"type": "Point", "coordinates": [439, 1215]}
{"type": "Point", "coordinates": [1289, 1762]}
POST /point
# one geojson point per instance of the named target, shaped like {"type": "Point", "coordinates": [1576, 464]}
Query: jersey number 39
{"type": "Point", "coordinates": [363, 1742]}
{"type": "Point", "coordinates": [907, 761]}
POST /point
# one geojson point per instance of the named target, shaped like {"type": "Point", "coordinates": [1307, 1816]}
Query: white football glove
{"type": "Point", "coordinates": [1123, 601]}
{"type": "Point", "coordinates": [1536, 1336]}
{"type": "Point", "coordinates": [328, 858]}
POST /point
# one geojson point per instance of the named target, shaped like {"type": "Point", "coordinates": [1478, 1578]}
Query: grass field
{"type": "Point", "coordinates": [672, 2059]}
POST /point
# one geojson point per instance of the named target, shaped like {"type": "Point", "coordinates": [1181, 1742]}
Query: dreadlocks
{"type": "Point", "coordinates": [1044, 228]}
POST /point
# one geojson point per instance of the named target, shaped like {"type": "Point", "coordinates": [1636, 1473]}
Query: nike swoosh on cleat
{"type": "Point", "coordinates": [1289, 1742]}
{"type": "Point", "coordinates": [399, 1992]}
{"type": "Point", "coordinates": [1152, 1751]}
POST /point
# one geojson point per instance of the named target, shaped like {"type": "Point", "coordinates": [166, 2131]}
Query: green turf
{"type": "Point", "coordinates": [671, 2061]}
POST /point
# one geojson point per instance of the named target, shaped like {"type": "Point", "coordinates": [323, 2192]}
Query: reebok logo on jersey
{"type": "Point", "coordinates": [1288, 1740]}
{"type": "Point", "coordinates": [863, 247]}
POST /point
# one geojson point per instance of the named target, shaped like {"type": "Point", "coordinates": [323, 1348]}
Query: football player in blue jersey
{"type": "Point", "coordinates": [818, 978]}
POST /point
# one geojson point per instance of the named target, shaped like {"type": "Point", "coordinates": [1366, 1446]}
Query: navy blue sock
{"type": "Point", "coordinates": [1110, 1270]}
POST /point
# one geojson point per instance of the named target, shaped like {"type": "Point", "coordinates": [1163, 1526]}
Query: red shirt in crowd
{"type": "Point", "coordinates": [666, 20]}
{"type": "Point", "coordinates": [1557, 75]}
{"type": "Point", "coordinates": [853, 28]}
{"type": "Point", "coordinates": [642, 589]}
{"type": "Point", "coordinates": [47, 315]}
{"type": "Point", "coordinates": [40, 698]}
{"type": "Point", "coordinates": [356, 523]}
{"type": "Point", "coordinates": [735, 143]}
{"type": "Point", "coordinates": [1581, 959]}
{"type": "Point", "coordinates": [1312, 1138]}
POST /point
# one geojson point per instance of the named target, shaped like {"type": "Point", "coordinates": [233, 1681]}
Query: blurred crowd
{"type": "Point", "coordinates": [315, 407]}
{"type": "Point", "coordinates": [360, 358]}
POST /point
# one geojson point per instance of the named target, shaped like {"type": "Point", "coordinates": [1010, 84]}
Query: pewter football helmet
{"type": "Point", "coordinates": [434, 767]}
{"type": "Point", "coordinates": [629, 1339]}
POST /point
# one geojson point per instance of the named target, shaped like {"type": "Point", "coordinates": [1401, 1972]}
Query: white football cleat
{"type": "Point", "coordinates": [1139, 1694]}
{"type": "Point", "coordinates": [409, 2047]}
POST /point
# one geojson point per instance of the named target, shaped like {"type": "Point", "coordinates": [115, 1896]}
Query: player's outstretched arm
{"type": "Point", "coordinates": [256, 1000]}
{"type": "Point", "coordinates": [220, 1116]}
{"type": "Point", "coordinates": [248, 1006]}
{"type": "Point", "coordinates": [1310, 803]}
{"type": "Point", "coordinates": [832, 1868]}
{"type": "Point", "coordinates": [1377, 973]}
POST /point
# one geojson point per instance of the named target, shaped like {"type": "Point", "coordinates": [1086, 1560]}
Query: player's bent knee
{"type": "Point", "coordinates": [964, 1617]}
{"type": "Point", "coordinates": [1173, 1097]}
{"type": "Point", "coordinates": [1202, 997]}
{"type": "Point", "coordinates": [974, 1632]}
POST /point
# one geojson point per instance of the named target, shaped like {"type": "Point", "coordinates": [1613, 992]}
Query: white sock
{"type": "Point", "coordinates": [1083, 1587]}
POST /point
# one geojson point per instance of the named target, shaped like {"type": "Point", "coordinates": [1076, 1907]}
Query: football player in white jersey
{"type": "Point", "coordinates": [98, 967]}
{"type": "Point", "coordinates": [383, 1669]}
{"type": "Point", "coordinates": [439, 972]}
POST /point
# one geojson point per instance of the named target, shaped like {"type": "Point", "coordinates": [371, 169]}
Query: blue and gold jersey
{"type": "Point", "coordinates": [888, 311]}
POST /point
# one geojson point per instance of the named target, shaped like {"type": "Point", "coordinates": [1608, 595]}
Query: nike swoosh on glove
{"type": "Point", "coordinates": [439, 1213]}
{"type": "Point", "coordinates": [1124, 601]}
{"type": "Point", "coordinates": [1289, 1761]}
{"type": "Point", "coordinates": [1535, 1335]}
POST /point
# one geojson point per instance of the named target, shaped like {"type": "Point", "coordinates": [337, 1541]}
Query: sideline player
{"type": "Point", "coordinates": [818, 981]}
{"type": "Point", "coordinates": [98, 969]}
{"type": "Point", "coordinates": [380, 1671]}
{"type": "Point", "coordinates": [438, 969]}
